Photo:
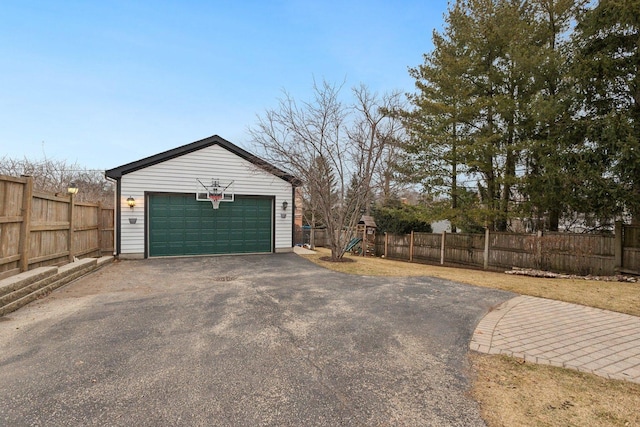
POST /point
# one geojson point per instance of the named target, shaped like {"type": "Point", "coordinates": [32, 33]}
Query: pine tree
{"type": "Point", "coordinates": [468, 111]}
{"type": "Point", "coordinates": [607, 40]}
{"type": "Point", "coordinates": [436, 125]}
{"type": "Point", "coordinates": [549, 179]}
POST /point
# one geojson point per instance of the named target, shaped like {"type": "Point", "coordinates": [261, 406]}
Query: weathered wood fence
{"type": "Point", "coordinates": [38, 229]}
{"type": "Point", "coordinates": [628, 253]}
{"type": "Point", "coordinates": [303, 236]}
{"type": "Point", "coordinates": [600, 254]}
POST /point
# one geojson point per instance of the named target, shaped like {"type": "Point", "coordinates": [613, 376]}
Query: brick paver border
{"type": "Point", "coordinates": [562, 334]}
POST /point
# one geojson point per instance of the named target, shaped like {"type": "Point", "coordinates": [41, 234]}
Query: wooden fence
{"type": "Point", "coordinates": [628, 248]}
{"type": "Point", "coordinates": [38, 229]}
{"type": "Point", "coordinates": [600, 254]}
{"type": "Point", "coordinates": [303, 236]}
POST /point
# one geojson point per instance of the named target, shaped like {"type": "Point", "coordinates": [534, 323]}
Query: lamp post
{"type": "Point", "coordinates": [72, 189]}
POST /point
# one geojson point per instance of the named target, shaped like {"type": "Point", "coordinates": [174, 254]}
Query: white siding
{"type": "Point", "coordinates": [179, 175]}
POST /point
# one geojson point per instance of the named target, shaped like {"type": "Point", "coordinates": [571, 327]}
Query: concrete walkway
{"type": "Point", "coordinates": [561, 334]}
{"type": "Point", "coordinates": [303, 251]}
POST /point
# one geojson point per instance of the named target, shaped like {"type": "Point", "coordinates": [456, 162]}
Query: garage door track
{"type": "Point", "coordinates": [242, 341]}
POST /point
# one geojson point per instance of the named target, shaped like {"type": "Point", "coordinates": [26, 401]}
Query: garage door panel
{"type": "Point", "coordinates": [180, 225]}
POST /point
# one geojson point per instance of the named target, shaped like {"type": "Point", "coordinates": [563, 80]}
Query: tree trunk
{"type": "Point", "coordinates": [312, 232]}
{"type": "Point", "coordinates": [554, 219]}
{"type": "Point", "coordinates": [454, 179]}
{"type": "Point", "coordinates": [505, 197]}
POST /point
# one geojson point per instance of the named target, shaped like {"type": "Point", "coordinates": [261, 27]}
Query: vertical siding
{"type": "Point", "coordinates": [179, 176]}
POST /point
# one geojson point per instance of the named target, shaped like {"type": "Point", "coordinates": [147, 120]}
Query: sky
{"type": "Point", "coordinates": [102, 84]}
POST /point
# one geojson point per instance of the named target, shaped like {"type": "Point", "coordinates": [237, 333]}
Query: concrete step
{"type": "Point", "coordinates": [36, 285]}
{"type": "Point", "coordinates": [21, 280]}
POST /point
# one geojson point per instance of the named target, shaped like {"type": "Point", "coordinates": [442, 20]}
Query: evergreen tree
{"type": "Point", "coordinates": [607, 40]}
{"type": "Point", "coordinates": [496, 102]}
{"type": "Point", "coordinates": [398, 218]}
{"type": "Point", "coordinates": [436, 125]}
{"type": "Point", "coordinates": [549, 180]}
{"type": "Point", "coordinates": [468, 115]}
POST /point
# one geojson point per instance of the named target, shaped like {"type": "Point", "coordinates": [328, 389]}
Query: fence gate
{"type": "Point", "coordinates": [630, 256]}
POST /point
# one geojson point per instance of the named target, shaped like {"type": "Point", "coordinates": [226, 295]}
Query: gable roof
{"type": "Point", "coordinates": [368, 221]}
{"type": "Point", "coordinates": [116, 173]}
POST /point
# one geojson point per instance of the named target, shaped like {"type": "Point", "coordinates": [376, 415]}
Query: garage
{"type": "Point", "coordinates": [209, 197]}
{"type": "Point", "coordinates": [180, 225]}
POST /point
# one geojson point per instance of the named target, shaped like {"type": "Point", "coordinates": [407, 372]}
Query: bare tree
{"type": "Point", "coordinates": [54, 176]}
{"type": "Point", "coordinates": [333, 148]}
{"type": "Point", "coordinates": [378, 136]}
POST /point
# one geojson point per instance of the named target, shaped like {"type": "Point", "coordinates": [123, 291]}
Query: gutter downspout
{"type": "Point", "coordinates": [116, 215]}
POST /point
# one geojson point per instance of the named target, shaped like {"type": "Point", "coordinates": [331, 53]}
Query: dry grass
{"type": "Point", "coordinates": [514, 393]}
{"type": "Point", "coordinates": [616, 296]}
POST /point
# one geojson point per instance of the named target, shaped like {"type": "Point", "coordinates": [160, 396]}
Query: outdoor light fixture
{"type": "Point", "coordinates": [131, 202]}
{"type": "Point", "coordinates": [73, 188]}
{"type": "Point", "coordinates": [284, 205]}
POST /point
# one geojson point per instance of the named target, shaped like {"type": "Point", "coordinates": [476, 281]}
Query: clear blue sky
{"type": "Point", "coordinates": [109, 82]}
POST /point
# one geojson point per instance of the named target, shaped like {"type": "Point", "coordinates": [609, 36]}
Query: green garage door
{"type": "Point", "coordinates": [180, 225]}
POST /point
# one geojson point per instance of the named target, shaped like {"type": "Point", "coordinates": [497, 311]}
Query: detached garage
{"type": "Point", "coordinates": [204, 198]}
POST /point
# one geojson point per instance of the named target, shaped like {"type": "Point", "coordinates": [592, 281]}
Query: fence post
{"type": "Point", "coordinates": [618, 246]}
{"type": "Point", "coordinates": [364, 240]}
{"type": "Point", "coordinates": [411, 247]}
{"type": "Point", "coordinates": [386, 244]}
{"type": "Point", "coordinates": [71, 225]}
{"type": "Point", "coordinates": [539, 248]}
{"type": "Point", "coordinates": [486, 249]}
{"type": "Point", "coordinates": [100, 227]}
{"type": "Point", "coordinates": [25, 229]}
{"type": "Point", "coordinates": [312, 231]}
{"type": "Point", "coordinates": [443, 239]}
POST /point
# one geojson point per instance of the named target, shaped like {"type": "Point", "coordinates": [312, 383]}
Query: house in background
{"type": "Point", "coordinates": [158, 212]}
{"type": "Point", "coordinates": [440, 226]}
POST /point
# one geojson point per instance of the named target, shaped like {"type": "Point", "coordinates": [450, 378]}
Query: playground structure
{"type": "Point", "coordinates": [364, 244]}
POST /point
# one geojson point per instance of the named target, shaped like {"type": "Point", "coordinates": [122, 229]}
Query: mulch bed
{"type": "Point", "coordinates": [343, 259]}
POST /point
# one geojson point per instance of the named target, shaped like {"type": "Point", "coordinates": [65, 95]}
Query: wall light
{"type": "Point", "coordinates": [131, 202]}
{"type": "Point", "coordinates": [284, 205]}
{"type": "Point", "coordinates": [73, 188]}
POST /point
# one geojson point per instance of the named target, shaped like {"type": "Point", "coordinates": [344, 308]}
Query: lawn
{"type": "Point", "coordinates": [622, 297]}
{"type": "Point", "coordinates": [510, 391]}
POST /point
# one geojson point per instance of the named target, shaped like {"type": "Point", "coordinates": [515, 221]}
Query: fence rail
{"type": "Point", "coordinates": [600, 254]}
{"type": "Point", "coordinates": [38, 229]}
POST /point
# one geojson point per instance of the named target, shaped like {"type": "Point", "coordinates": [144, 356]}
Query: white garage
{"type": "Point", "coordinates": [204, 198]}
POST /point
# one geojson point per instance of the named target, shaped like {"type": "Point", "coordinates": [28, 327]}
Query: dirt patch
{"type": "Point", "coordinates": [329, 259]}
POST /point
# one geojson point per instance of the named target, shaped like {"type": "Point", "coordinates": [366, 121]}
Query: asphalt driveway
{"type": "Point", "coordinates": [242, 341]}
